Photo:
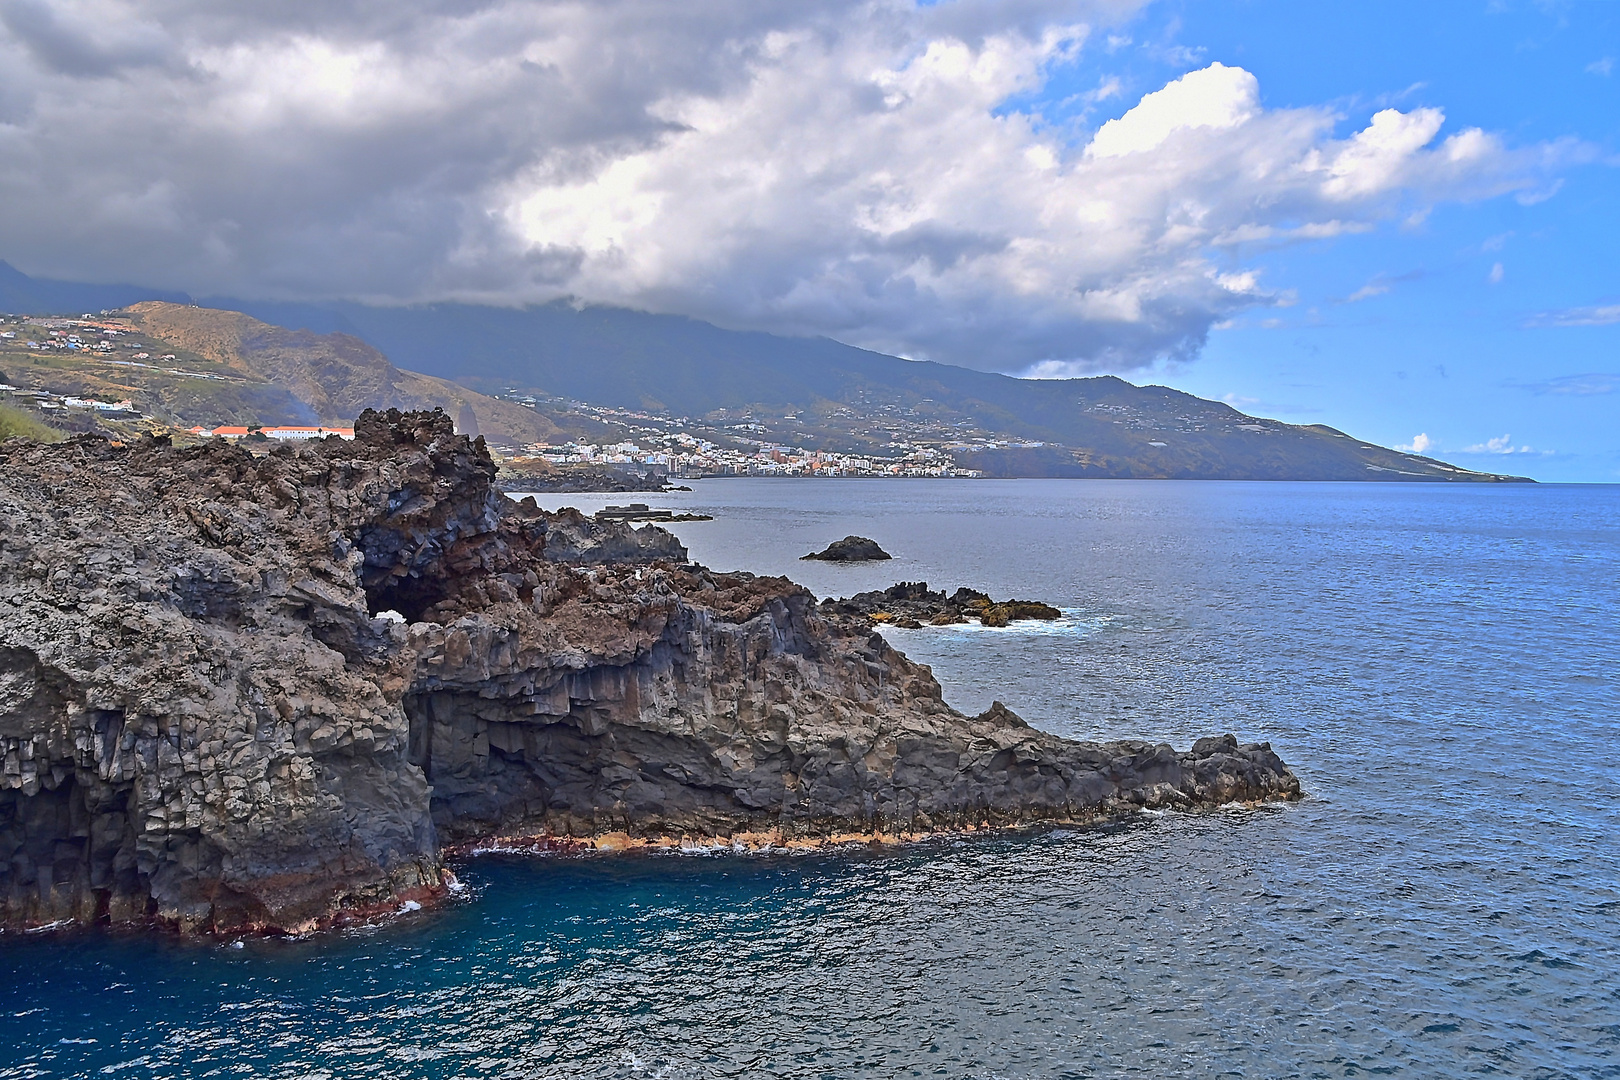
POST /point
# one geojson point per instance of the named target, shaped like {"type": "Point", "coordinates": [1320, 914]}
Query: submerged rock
{"type": "Point", "coordinates": [243, 692]}
{"type": "Point", "coordinates": [850, 549]}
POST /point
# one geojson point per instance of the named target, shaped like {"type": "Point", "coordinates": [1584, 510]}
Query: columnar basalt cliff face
{"type": "Point", "coordinates": [243, 692]}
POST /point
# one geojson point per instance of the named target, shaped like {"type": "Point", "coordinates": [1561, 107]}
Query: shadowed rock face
{"type": "Point", "coordinates": [244, 692]}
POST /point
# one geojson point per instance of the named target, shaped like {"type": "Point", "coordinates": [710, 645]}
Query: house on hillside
{"type": "Point", "coordinates": [308, 432]}
{"type": "Point", "coordinates": [234, 432]}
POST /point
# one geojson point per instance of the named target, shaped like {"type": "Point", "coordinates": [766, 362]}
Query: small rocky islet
{"type": "Point", "coordinates": [910, 606]}
{"type": "Point", "coordinates": [269, 693]}
{"type": "Point", "coordinates": [849, 549]}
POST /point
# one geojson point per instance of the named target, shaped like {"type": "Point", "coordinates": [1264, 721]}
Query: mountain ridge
{"type": "Point", "coordinates": [822, 394]}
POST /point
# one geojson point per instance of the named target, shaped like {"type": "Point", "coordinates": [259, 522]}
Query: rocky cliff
{"type": "Point", "coordinates": [261, 692]}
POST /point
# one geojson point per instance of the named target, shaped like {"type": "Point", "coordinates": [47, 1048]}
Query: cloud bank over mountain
{"type": "Point", "coordinates": [871, 170]}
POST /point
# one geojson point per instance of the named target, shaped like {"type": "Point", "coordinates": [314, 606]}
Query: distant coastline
{"type": "Point", "coordinates": [609, 386]}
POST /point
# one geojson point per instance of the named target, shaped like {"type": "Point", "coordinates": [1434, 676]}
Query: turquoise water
{"type": "Point", "coordinates": [1438, 664]}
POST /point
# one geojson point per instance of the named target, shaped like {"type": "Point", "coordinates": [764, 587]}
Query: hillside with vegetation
{"type": "Point", "coordinates": [180, 366]}
{"type": "Point", "coordinates": [106, 360]}
{"type": "Point", "coordinates": [18, 423]}
{"type": "Point", "coordinates": [545, 373]}
{"type": "Point", "coordinates": [829, 397]}
{"type": "Point", "coordinates": [334, 376]}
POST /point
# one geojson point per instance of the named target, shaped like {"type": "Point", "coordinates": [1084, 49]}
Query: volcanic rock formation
{"type": "Point", "coordinates": [850, 549]}
{"type": "Point", "coordinates": [248, 692]}
{"type": "Point", "coordinates": [910, 605]}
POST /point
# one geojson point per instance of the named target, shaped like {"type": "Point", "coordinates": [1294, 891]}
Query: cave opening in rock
{"type": "Point", "coordinates": [400, 571]}
{"type": "Point", "coordinates": [411, 594]}
{"type": "Point", "coordinates": [68, 851]}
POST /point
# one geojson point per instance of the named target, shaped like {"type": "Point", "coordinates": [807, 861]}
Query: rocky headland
{"type": "Point", "coordinates": [250, 693]}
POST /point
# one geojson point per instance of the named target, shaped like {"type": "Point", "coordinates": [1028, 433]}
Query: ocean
{"type": "Point", "coordinates": [1440, 664]}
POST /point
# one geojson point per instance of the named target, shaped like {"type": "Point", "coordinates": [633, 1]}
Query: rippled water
{"type": "Point", "coordinates": [1438, 663]}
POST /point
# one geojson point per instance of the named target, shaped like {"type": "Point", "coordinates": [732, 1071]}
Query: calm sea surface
{"type": "Point", "coordinates": [1441, 665]}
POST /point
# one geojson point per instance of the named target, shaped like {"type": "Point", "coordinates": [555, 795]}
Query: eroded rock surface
{"type": "Point", "coordinates": [243, 692]}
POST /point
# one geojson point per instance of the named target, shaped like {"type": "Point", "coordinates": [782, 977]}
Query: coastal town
{"type": "Point", "coordinates": [689, 457]}
{"type": "Point", "coordinates": [890, 443]}
{"type": "Point", "coordinates": [742, 445]}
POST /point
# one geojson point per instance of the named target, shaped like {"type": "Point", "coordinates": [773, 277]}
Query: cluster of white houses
{"type": "Point", "coordinates": [686, 456]}
{"type": "Point", "coordinates": [45, 401]}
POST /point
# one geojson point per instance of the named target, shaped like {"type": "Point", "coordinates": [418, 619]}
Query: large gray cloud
{"type": "Point", "coordinates": [842, 168]}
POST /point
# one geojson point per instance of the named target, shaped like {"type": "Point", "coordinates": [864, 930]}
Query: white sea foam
{"type": "Point", "coordinates": [1071, 622]}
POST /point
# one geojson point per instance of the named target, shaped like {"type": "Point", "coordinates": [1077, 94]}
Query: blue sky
{"type": "Point", "coordinates": [1398, 219]}
{"type": "Point", "coordinates": [1442, 343]}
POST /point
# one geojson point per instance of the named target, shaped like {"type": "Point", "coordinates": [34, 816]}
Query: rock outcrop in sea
{"type": "Point", "coordinates": [850, 549]}
{"type": "Point", "coordinates": [245, 692]}
{"type": "Point", "coordinates": [910, 605]}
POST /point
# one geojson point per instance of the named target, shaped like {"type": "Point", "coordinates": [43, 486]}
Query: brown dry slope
{"type": "Point", "coordinates": [337, 375]}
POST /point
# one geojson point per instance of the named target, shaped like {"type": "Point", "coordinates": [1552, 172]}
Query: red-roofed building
{"type": "Point", "coordinates": [229, 432]}
{"type": "Point", "coordinates": [308, 432]}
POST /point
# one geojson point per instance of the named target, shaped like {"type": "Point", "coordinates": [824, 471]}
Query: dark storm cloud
{"type": "Point", "coordinates": [69, 43]}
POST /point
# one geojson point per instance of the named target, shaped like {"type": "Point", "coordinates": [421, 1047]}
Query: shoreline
{"type": "Point", "coordinates": [382, 651]}
{"type": "Point", "coordinates": [429, 899]}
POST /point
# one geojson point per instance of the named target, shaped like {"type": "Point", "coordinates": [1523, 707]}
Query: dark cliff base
{"type": "Point", "coordinates": [246, 693]}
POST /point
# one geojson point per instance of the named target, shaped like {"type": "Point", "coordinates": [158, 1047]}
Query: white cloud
{"type": "Point", "coordinates": [1419, 445]}
{"type": "Point", "coordinates": [1252, 233]}
{"type": "Point", "coordinates": [1605, 315]}
{"type": "Point", "coordinates": [1375, 157]}
{"type": "Point", "coordinates": [1502, 444]}
{"type": "Point", "coordinates": [1580, 385]}
{"type": "Point", "coordinates": [1110, 87]}
{"type": "Point", "coordinates": [1496, 274]}
{"type": "Point", "coordinates": [1369, 290]}
{"type": "Point", "coordinates": [848, 168]}
{"type": "Point", "coordinates": [1604, 67]}
{"type": "Point", "coordinates": [1215, 97]}
{"type": "Point", "coordinates": [1585, 385]}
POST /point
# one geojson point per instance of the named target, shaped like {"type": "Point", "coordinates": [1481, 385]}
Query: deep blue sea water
{"type": "Point", "coordinates": [1440, 664]}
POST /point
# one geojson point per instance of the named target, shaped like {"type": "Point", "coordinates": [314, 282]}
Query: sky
{"type": "Point", "coordinates": [1395, 218]}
